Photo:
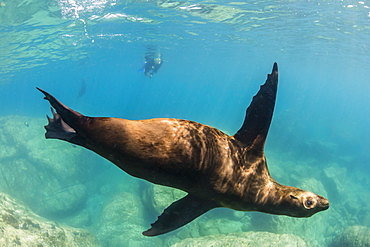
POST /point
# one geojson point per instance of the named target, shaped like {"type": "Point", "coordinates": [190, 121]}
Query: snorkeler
{"type": "Point", "coordinates": [153, 62]}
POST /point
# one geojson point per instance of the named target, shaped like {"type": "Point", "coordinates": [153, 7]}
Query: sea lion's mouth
{"type": "Point", "coordinates": [324, 205]}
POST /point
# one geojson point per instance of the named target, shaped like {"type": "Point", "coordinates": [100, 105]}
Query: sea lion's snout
{"type": "Point", "coordinates": [323, 203]}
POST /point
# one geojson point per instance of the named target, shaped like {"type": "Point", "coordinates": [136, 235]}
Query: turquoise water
{"type": "Point", "coordinates": [216, 55]}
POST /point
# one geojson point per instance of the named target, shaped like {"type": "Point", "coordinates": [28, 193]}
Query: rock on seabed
{"type": "Point", "coordinates": [245, 239]}
{"type": "Point", "coordinates": [19, 226]}
{"type": "Point", "coordinates": [47, 175]}
{"type": "Point", "coordinates": [353, 236]}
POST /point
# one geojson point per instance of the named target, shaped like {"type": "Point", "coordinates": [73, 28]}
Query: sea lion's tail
{"type": "Point", "coordinates": [65, 121]}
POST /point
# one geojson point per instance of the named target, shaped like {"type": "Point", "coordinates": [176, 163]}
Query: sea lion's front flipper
{"type": "Point", "coordinates": [257, 121]}
{"type": "Point", "coordinates": [179, 214]}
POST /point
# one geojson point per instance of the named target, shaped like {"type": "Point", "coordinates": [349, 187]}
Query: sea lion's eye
{"type": "Point", "coordinates": [309, 203]}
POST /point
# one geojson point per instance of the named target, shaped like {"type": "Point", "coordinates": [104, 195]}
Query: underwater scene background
{"type": "Point", "coordinates": [216, 54]}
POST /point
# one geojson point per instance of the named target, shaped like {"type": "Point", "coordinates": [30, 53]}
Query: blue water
{"type": "Point", "coordinates": [214, 62]}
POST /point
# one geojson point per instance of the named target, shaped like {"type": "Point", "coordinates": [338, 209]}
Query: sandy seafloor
{"type": "Point", "coordinates": [216, 55]}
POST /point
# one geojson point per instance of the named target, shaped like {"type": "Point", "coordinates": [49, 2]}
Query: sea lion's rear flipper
{"type": "Point", "coordinates": [257, 121]}
{"type": "Point", "coordinates": [63, 124]}
{"type": "Point", "coordinates": [58, 129]}
{"type": "Point", "coordinates": [179, 214]}
{"type": "Point", "coordinates": [68, 115]}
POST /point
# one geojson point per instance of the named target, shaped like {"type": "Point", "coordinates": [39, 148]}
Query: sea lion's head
{"type": "Point", "coordinates": [300, 203]}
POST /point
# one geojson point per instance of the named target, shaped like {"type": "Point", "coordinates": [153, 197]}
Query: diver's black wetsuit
{"type": "Point", "coordinates": [152, 65]}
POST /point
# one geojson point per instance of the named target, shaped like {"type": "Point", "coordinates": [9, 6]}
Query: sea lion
{"type": "Point", "coordinates": [215, 169]}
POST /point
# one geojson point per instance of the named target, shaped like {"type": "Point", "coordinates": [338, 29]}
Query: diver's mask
{"type": "Point", "coordinates": [157, 60]}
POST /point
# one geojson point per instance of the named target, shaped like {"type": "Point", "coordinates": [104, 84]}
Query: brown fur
{"type": "Point", "coordinates": [215, 169]}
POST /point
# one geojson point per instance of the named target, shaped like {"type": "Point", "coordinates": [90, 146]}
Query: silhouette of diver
{"type": "Point", "coordinates": [152, 64]}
